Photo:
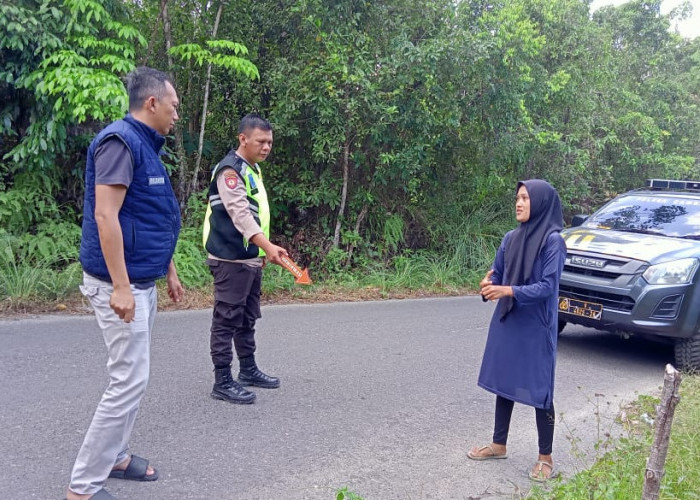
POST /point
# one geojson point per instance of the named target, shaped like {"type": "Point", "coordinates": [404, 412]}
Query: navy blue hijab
{"type": "Point", "coordinates": [527, 240]}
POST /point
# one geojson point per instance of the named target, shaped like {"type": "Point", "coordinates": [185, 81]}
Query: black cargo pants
{"type": "Point", "coordinates": [236, 308]}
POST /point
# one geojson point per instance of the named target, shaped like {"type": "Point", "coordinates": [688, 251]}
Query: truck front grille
{"type": "Point", "coordinates": [584, 271]}
{"type": "Point", "coordinates": [609, 300]}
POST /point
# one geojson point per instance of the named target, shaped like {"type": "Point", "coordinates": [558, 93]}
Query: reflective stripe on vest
{"type": "Point", "coordinates": [220, 236]}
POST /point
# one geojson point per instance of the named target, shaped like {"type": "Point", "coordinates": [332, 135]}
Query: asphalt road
{"type": "Point", "coordinates": [380, 397]}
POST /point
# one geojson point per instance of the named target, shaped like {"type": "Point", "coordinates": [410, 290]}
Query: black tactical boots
{"type": "Point", "coordinates": [251, 375]}
{"type": "Point", "coordinates": [227, 389]}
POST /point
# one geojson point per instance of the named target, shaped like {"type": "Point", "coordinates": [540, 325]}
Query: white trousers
{"type": "Point", "coordinates": [128, 347]}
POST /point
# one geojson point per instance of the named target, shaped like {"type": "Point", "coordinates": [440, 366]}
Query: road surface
{"type": "Point", "coordinates": [380, 397]}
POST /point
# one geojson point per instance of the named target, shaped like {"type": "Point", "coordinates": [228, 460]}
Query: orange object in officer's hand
{"type": "Point", "coordinates": [301, 276]}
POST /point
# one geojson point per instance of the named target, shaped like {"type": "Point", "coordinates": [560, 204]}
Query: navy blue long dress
{"type": "Point", "coordinates": [521, 349]}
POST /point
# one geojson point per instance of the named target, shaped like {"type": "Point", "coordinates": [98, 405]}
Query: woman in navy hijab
{"type": "Point", "coordinates": [521, 347]}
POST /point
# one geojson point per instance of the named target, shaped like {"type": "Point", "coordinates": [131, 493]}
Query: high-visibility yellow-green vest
{"type": "Point", "coordinates": [220, 236]}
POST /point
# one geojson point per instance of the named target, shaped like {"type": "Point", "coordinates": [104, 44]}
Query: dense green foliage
{"type": "Point", "coordinates": [401, 126]}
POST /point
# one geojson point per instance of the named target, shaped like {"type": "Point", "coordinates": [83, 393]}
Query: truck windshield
{"type": "Point", "coordinates": [663, 215]}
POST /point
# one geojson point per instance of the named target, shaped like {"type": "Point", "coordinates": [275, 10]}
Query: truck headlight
{"type": "Point", "coordinates": [671, 273]}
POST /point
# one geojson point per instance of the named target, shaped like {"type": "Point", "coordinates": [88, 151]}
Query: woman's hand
{"type": "Point", "coordinates": [486, 281]}
{"type": "Point", "coordinates": [495, 292]}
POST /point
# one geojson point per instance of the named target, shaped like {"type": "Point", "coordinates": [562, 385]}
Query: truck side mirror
{"type": "Point", "coordinates": [578, 220]}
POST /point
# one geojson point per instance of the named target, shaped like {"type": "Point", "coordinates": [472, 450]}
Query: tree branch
{"type": "Point", "coordinates": [662, 434]}
{"type": "Point", "coordinates": [344, 192]}
{"type": "Point", "coordinates": [205, 105]}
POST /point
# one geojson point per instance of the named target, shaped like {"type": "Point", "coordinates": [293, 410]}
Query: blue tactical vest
{"type": "Point", "coordinates": [149, 216]}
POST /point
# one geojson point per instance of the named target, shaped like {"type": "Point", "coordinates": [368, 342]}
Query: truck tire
{"type": "Point", "coordinates": [687, 354]}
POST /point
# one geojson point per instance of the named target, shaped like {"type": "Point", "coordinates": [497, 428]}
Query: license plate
{"type": "Point", "coordinates": [581, 308]}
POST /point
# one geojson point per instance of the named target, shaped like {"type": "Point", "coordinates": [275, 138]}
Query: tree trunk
{"type": "Point", "coordinates": [148, 56]}
{"type": "Point", "coordinates": [360, 219]}
{"type": "Point", "coordinates": [344, 193]}
{"type": "Point", "coordinates": [205, 105]}
{"type": "Point", "coordinates": [662, 434]}
{"type": "Point", "coordinates": [179, 142]}
{"type": "Point", "coordinates": [168, 35]}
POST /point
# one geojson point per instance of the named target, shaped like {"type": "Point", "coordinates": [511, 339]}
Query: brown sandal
{"type": "Point", "coordinates": [492, 456]}
{"type": "Point", "coordinates": [539, 474]}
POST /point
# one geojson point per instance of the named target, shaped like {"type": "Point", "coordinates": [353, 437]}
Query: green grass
{"type": "Point", "coordinates": [43, 267]}
{"type": "Point", "coordinates": [619, 473]}
{"type": "Point", "coordinates": [410, 273]}
{"type": "Point", "coordinates": [24, 280]}
{"type": "Point", "coordinates": [345, 494]}
{"type": "Point", "coordinates": [461, 265]}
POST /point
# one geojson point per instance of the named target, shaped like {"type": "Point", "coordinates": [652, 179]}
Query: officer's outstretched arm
{"type": "Point", "coordinates": [273, 253]}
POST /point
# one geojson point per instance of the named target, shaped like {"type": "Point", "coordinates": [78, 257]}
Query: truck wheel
{"type": "Point", "coordinates": [561, 326]}
{"type": "Point", "coordinates": [687, 354]}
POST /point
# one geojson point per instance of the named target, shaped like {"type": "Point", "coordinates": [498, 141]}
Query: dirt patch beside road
{"type": "Point", "coordinates": [197, 298]}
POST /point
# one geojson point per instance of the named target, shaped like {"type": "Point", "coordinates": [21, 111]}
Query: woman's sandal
{"type": "Point", "coordinates": [492, 456]}
{"type": "Point", "coordinates": [539, 474]}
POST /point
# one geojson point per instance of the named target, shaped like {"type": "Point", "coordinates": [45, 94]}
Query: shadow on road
{"type": "Point", "coordinates": [579, 341]}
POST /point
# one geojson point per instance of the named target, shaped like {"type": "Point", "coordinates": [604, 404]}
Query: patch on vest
{"type": "Point", "coordinates": [156, 181]}
{"type": "Point", "coordinates": [231, 179]}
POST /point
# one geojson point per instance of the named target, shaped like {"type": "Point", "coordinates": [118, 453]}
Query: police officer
{"type": "Point", "coordinates": [236, 237]}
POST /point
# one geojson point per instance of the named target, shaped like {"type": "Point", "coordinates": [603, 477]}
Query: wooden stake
{"type": "Point", "coordinates": [662, 434]}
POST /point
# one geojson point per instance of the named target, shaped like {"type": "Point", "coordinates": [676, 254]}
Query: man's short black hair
{"type": "Point", "coordinates": [143, 83]}
{"type": "Point", "coordinates": [252, 121]}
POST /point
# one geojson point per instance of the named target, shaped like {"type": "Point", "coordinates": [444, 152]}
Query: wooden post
{"type": "Point", "coordinates": [662, 433]}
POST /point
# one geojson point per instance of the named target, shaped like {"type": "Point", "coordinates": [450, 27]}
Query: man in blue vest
{"type": "Point", "coordinates": [236, 237]}
{"type": "Point", "coordinates": [131, 222]}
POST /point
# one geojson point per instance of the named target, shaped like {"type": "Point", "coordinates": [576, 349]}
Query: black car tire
{"type": "Point", "coordinates": [561, 326]}
{"type": "Point", "coordinates": [687, 354]}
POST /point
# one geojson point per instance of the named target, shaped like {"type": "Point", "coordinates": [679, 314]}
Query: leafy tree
{"type": "Point", "coordinates": [340, 92]}
{"type": "Point", "coordinates": [72, 76]}
{"type": "Point", "coordinates": [650, 115]}
{"type": "Point", "coordinates": [400, 125]}
{"type": "Point", "coordinates": [195, 38]}
{"type": "Point", "coordinates": [60, 65]}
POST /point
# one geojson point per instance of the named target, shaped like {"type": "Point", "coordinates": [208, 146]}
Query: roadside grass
{"type": "Point", "coordinates": [37, 286]}
{"type": "Point", "coordinates": [24, 284]}
{"type": "Point", "coordinates": [41, 273]}
{"type": "Point", "coordinates": [31, 289]}
{"type": "Point", "coordinates": [619, 473]}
